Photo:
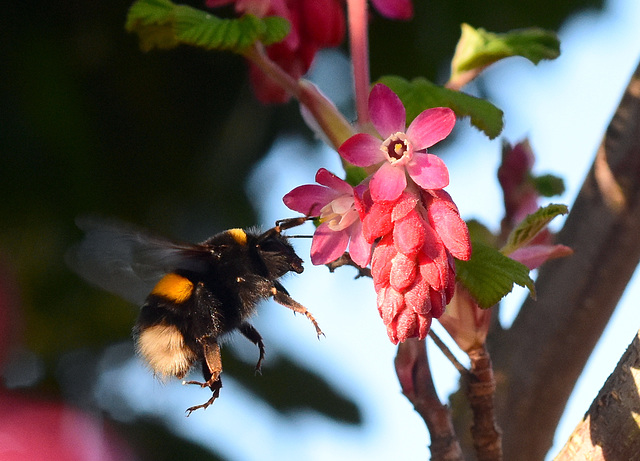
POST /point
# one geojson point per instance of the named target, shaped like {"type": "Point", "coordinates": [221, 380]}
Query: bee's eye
{"type": "Point", "coordinates": [271, 246]}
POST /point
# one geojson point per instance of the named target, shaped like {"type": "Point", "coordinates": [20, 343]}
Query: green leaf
{"type": "Point", "coordinates": [152, 21]}
{"type": "Point", "coordinates": [354, 174]}
{"type": "Point", "coordinates": [548, 185]}
{"type": "Point", "coordinates": [163, 24]}
{"type": "Point", "coordinates": [489, 275]}
{"type": "Point", "coordinates": [481, 233]}
{"type": "Point", "coordinates": [420, 94]}
{"type": "Point", "coordinates": [531, 225]}
{"type": "Point", "coordinates": [478, 48]}
{"type": "Point", "coordinates": [276, 30]}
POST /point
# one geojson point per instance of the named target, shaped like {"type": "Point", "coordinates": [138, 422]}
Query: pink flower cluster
{"type": "Point", "coordinates": [315, 24]}
{"type": "Point", "coordinates": [399, 219]}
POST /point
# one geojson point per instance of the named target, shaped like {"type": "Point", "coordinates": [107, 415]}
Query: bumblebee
{"type": "Point", "coordinates": [199, 292]}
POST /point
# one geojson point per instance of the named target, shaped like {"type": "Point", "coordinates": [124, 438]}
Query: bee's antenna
{"type": "Point", "coordinates": [284, 224]}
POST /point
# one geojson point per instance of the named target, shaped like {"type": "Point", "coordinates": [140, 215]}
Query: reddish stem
{"type": "Point", "coordinates": [412, 367]}
{"type": "Point", "coordinates": [359, 44]}
{"type": "Point", "coordinates": [487, 437]}
{"type": "Point", "coordinates": [257, 55]}
{"type": "Point", "coordinates": [333, 125]}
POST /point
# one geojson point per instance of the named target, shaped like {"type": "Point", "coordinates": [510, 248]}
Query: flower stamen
{"type": "Point", "coordinates": [397, 148]}
{"type": "Point", "coordinates": [339, 214]}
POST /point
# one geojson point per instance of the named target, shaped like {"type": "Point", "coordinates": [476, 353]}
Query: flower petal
{"type": "Point", "coordinates": [323, 22]}
{"type": "Point", "coordinates": [409, 325]}
{"type": "Point", "coordinates": [343, 205]}
{"type": "Point", "coordinates": [383, 253]}
{"type": "Point", "coordinates": [533, 256]}
{"type": "Point", "coordinates": [452, 230]}
{"type": "Point", "coordinates": [386, 111]}
{"type": "Point", "coordinates": [424, 322]}
{"type": "Point", "coordinates": [404, 205]}
{"type": "Point", "coordinates": [326, 178]}
{"type": "Point", "coordinates": [377, 222]}
{"type": "Point", "coordinates": [394, 9]}
{"type": "Point", "coordinates": [359, 248]}
{"type": "Point", "coordinates": [417, 297]}
{"type": "Point", "coordinates": [387, 183]}
{"type": "Point", "coordinates": [428, 171]}
{"type": "Point", "coordinates": [409, 233]}
{"type": "Point", "coordinates": [362, 198]}
{"type": "Point", "coordinates": [438, 302]}
{"type": "Point", "coordinates": [308, 199]}
{"type": "Point", "coordinates": [327, 245]}
{"type": "Point", "coordinates": [403, 272]}
{"type": "Point", "coordinates": [431, 126]}
{"type": "Point", "coordinates": [433, 261]}
{"type": "Point", "coordinates": [390, 304]}
{"type": "Point", "coordinates": [362, 149]}
{"type": "Point", "coordinates": [450, 282]}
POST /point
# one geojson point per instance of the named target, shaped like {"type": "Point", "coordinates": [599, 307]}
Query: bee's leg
{"type": "Point", "coordinates": [211, 369]}
{"type": "Point", "coordinates": [252, 335]}
{"type": "Point", "coordinates": [281, 296]}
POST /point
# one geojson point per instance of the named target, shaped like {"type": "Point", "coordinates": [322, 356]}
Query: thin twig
{"type": "Point", "coordinates": [448, 354]}
{"type": "Point", "coordinates": [345, 260]}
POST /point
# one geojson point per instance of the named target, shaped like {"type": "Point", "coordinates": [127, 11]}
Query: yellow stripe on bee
{"type": "Point", "coordinates": [238, 235]}
{"type": "Point", "coordinates": [174, 287]}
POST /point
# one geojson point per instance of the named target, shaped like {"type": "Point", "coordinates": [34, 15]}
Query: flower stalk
{"type": "Point", "coordinates": [330, 121]}
{"type": "Point", "coordinates": [359, 44]}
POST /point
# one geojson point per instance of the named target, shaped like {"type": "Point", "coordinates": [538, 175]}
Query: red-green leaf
{"type": "Point", "coordinates": [531, 225]}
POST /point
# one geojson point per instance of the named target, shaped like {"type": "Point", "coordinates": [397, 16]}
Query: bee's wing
{"type": "Point", "coordinates": [126, 261]}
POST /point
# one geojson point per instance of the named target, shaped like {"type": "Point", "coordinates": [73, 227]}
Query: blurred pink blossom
{"type": "Point", "coordinates": [315, 24]}
{"type": "Point", "coordinates": [394, 9]}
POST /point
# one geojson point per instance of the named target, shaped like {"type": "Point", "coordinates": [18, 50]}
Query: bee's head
{"type": "Point", "coordinates": [278, 255]}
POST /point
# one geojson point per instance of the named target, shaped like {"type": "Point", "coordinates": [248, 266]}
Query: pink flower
{"type": "Point", "coordinates": [400, 153]}
{"type": "Point", "coordinates": [315, 24]}
{"type": "Point", "coordinates": [37, 429]}
{"type": "Point", "coordinates": [334, 203]}
{"type": "Point", "coordinates": [32, 428]}
{"type": "Point", "coordinates": [412, 265]}
{"type": "Point", "coordinates": [521, 199]}
{"type": "Point", "coordinates": [514, 175]}
{"type": "Point", "coordinates": [394, 9]}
